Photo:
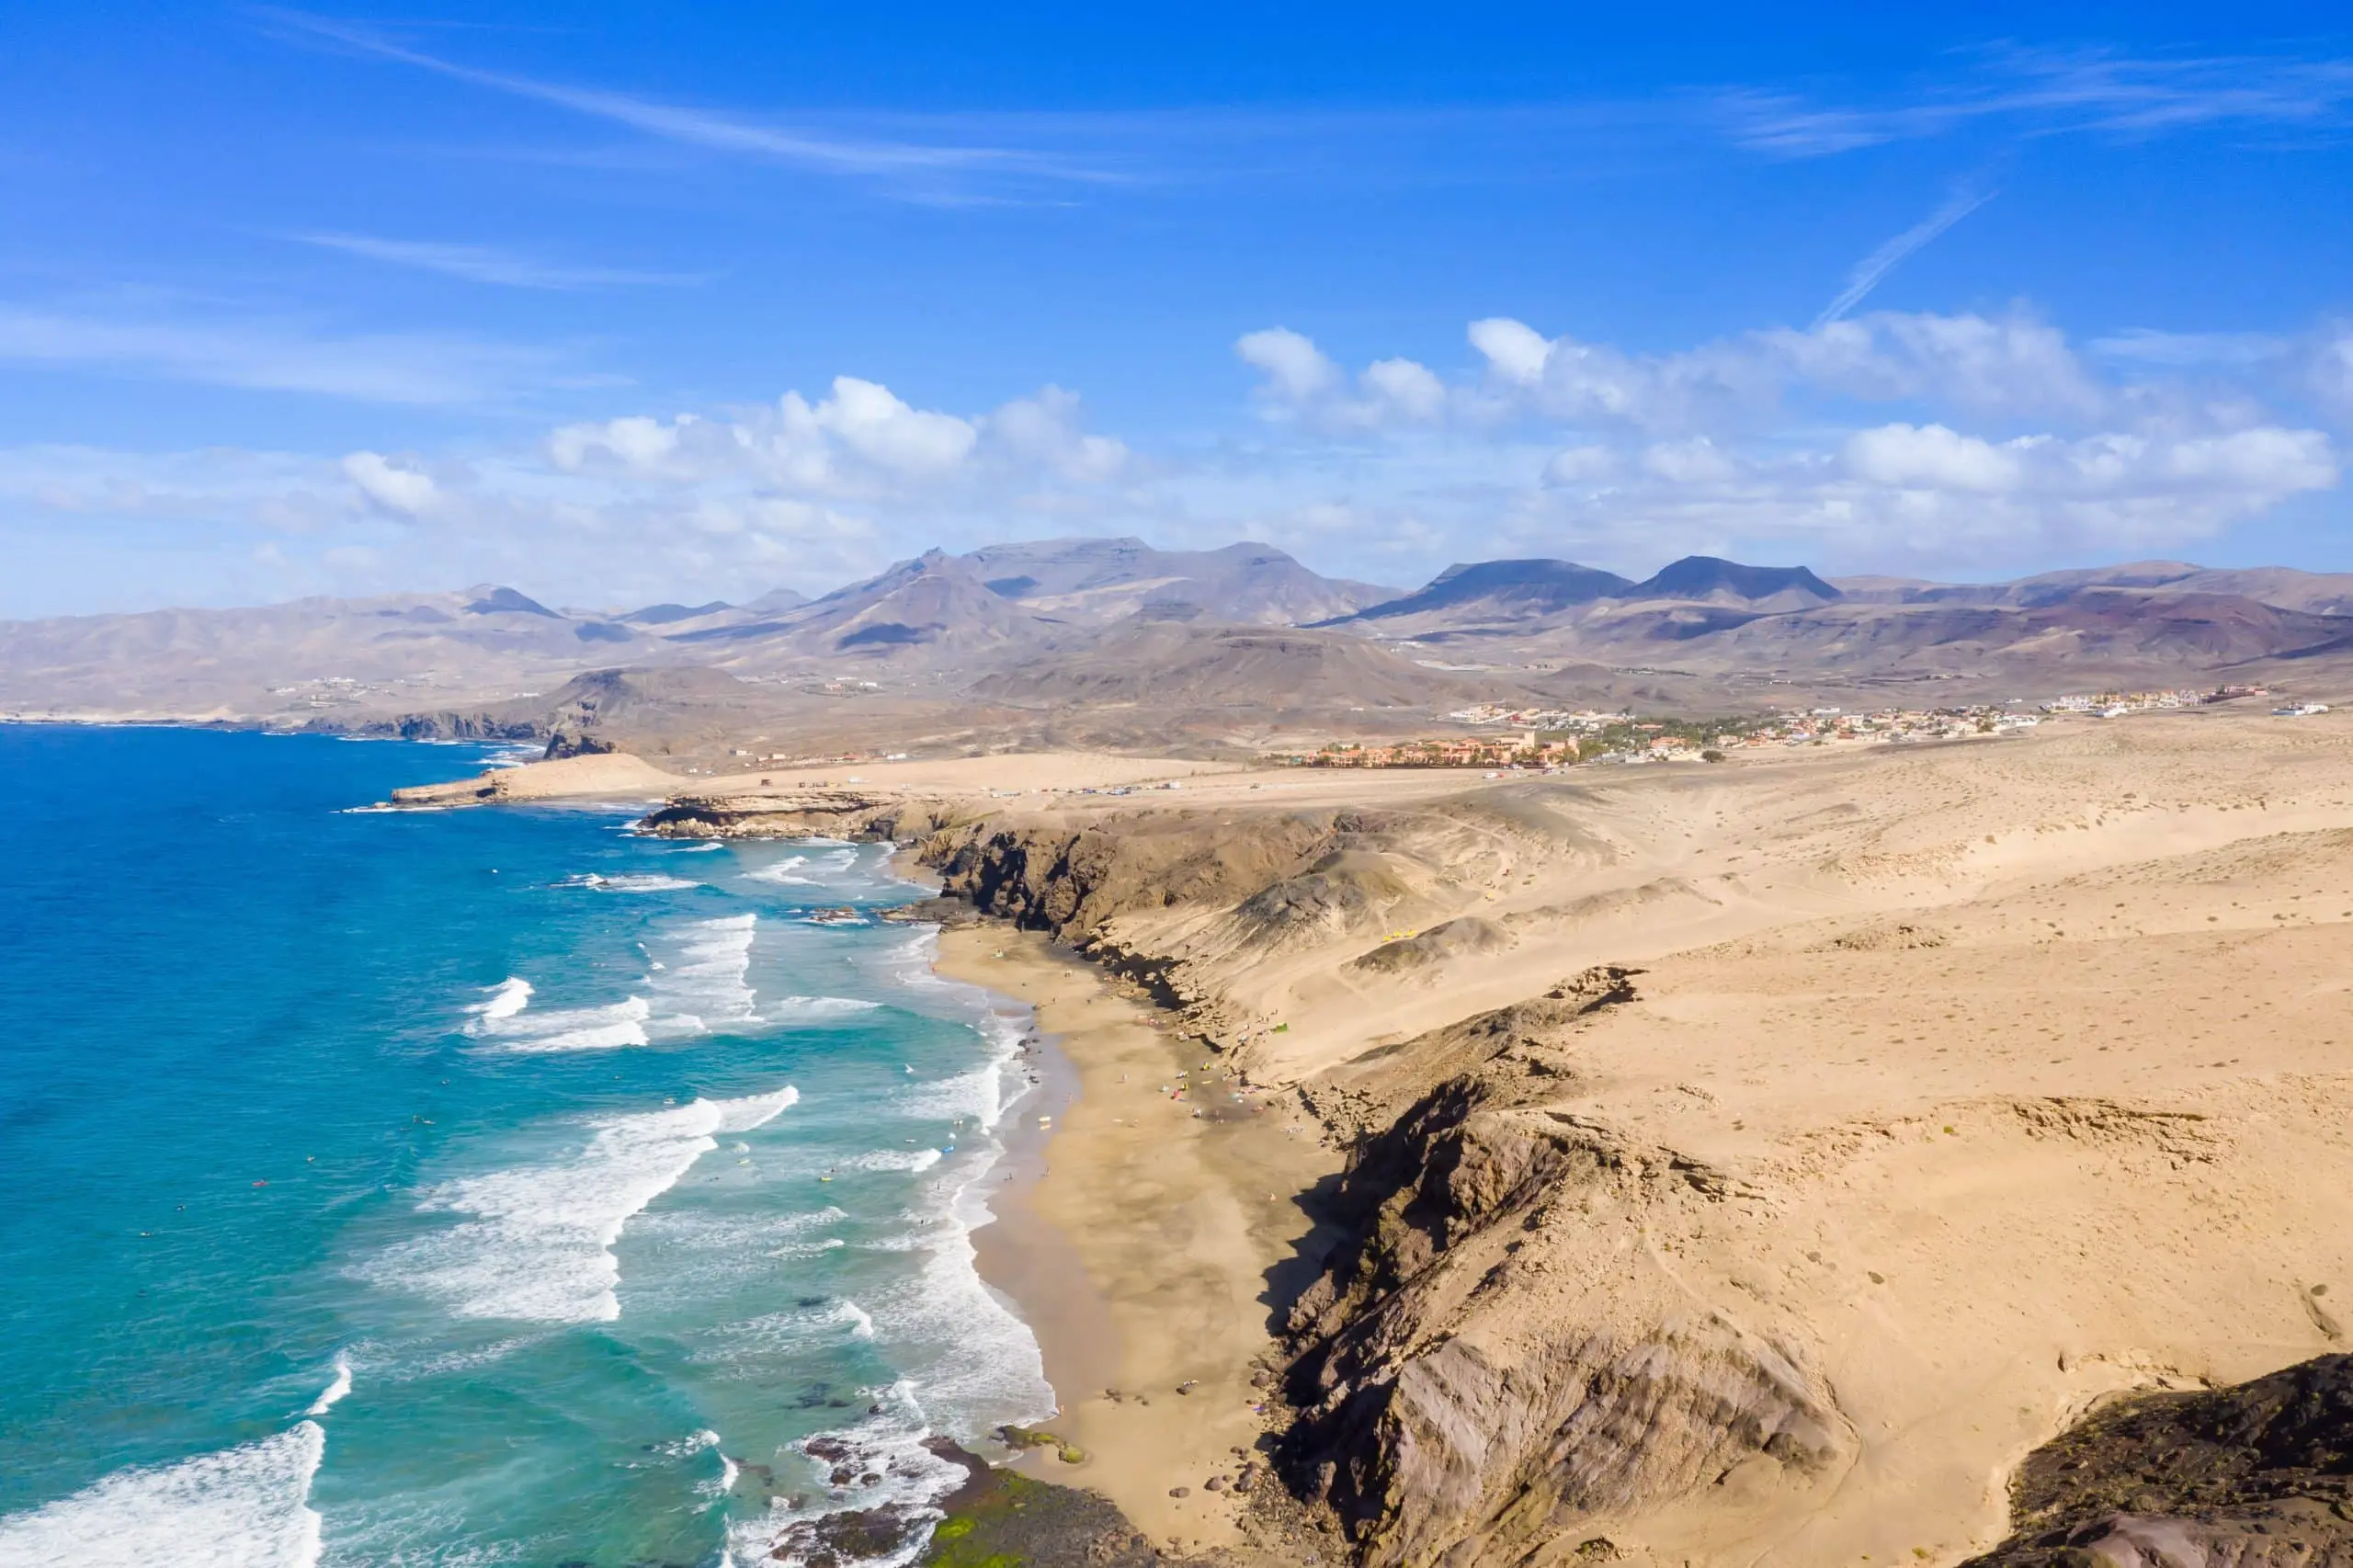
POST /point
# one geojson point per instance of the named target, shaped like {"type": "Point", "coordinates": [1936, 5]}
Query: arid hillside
{"type": "Point", "coordinates": [1112, 643]}
{"type": "Point", "coordinates": [1753, 1163]}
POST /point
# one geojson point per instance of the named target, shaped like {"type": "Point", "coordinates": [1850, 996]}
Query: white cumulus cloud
{"type": "Point", "coordinates": [1931, 456]}
{"type": "Point", "coordinates": [873, 422]}
{"type": "Point", "coordinates": [1884, 441]}
{"type": "Point", "coordinates": [1296, 370]}
{"type": "Point", "coordinates": [396, 487]}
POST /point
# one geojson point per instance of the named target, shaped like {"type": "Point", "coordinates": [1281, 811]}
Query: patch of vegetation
{"type": "Point", "coordinates": [1006, 1520]}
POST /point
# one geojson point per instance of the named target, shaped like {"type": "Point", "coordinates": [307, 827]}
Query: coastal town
{"type": "Point", "coordinates": [1550, 738]}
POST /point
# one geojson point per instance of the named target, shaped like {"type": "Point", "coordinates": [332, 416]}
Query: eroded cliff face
{"type": "Point", "coordinates": [1498, 1364]}
{"type": "Point", "coordinates": [1070, 882]}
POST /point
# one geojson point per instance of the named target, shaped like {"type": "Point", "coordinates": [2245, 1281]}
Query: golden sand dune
{"type": "Point", "coordinates": [1756, 1162]}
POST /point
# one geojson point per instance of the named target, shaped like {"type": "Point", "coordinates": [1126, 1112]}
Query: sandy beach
{"type": "Point", "coordinates": [1129, 1181]}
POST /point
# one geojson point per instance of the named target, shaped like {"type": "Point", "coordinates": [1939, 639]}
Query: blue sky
{"type": "Point", "coordinates": [621, 302]}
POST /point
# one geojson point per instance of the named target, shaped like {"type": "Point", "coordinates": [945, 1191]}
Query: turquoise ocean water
{"type": "Point", "coordinates": [450, 1187]}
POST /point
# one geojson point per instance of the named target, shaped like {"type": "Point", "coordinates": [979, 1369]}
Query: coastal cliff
{"type": "Point", "coordinates": [1753, 1172]}
{"type": "Point", "coordinates": [1498, 1358]}
{"type": "Point", "coordinates": [1449, 1407]}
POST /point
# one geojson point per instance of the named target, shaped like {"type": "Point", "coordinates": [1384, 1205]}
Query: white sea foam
{"type": "Point", "coordinates": [958, 1342]}
{"type": "Point", "coordinates": [505, 999]}
{"type": "Point", "coordinates": [634, 882]}
{"type": "Point", "coordinates": [504, 1017]}
{"type": "Point", "coordinates": [243, 1507]}
{"type": "Point", "coordinates": [977, 1096]}
{"type": "Point", "coordinates": [733, 1232]}
{"type": "Point", "coordinates": [335, 1390]}
{"type": "Point", "coordinates": [688, 1446]}
{"type": "Point", "coordinates": [568, 1028]}
{"type": "Point", "coordinates": [706, 976]}
{"type": "Point", "coordinates": [793, 1008]}
{"type": "Point", "coordinates": [466, 1360]}
{"type": "Point", "coordinates": [535, 1242]}
{"type": "Point", "coordinates": [809, 1249]}
{"type": "Point", "coordinates": [959, 1345]}
{"type": "Point", "coordinates": [806, 870]}
{"type": "Point", "coordinates": [910, 963]}
{"type": "Point", "coordinates": [780, 1337]}
{"type": "Point", "coordinates": [893, 1160]}
{"type": "Point", "coordinates": [908, 1481]}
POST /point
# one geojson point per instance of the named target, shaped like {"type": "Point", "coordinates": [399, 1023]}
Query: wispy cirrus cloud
{"type": "Point", "coordinates": [923, 170]}
{"type": "Point", "coordinates": [2181, 350]}
{"type": "Point", "coordinates": [2051, 92]}
{"type": "Point", "coordinates": [1883, 261]}
{"type": "Point", "coordinates": [489, 264]}
{"type": "Point", "coordinates": [276, 355]}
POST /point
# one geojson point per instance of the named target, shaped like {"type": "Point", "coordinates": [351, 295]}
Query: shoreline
{"type": "Point", "coordinates": [1026, 1260]}
{"type": "Point", "coordinates": [1136, 1240]}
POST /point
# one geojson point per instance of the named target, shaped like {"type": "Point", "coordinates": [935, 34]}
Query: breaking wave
{"type": "Point", "coordinates": [707, 975]}
{"type": "Point", "coordinates": [649, 881]}
{"type": "Point", "coordinates": [565, 1029]}
{"type": "Point", "coordinates": [333, 1394]}
{"type": "Point", "coordinates": [242, 1507]}
{"type": "Point", "coordinates": [535, 1242]}
{"type": "Point", "coordinates": [791, 1008]}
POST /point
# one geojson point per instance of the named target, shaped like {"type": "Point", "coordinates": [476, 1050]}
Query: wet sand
{"type": "Point", "coordinates": [1138, 1240]}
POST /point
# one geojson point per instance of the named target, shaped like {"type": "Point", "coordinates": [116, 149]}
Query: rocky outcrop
{"type": "Point", "coordinates": [444, 726]}
{"type": "Point", "coordinates": [1070, 882]}
{"type": "Point", "coordinates": [1345, 891]}
{"type": "Point", "coordinates": [800, 814]}
{"type": "Point", "coordinates": [1487, 1367]}
{"type": "Point", "coordinates": [564, 743]}
{"type": "Point", "coordinates": [2255, 1476]}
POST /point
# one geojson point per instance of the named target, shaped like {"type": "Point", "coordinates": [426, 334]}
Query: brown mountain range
{"type": "Point", "coordinates": [1018, 636]}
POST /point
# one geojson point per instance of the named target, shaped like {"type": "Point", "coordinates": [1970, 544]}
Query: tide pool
{"type": "Point", "coordinates": [469, 1186]}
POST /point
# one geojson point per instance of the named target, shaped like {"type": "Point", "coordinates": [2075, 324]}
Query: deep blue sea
{"type": "Point", "coordinates": [467, 1187]}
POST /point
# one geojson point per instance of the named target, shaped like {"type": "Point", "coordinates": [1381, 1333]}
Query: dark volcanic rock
{"type": "Point", "coordinates": [563, 744]}
{"type": "Point", "coordinates": [2256, 1476]}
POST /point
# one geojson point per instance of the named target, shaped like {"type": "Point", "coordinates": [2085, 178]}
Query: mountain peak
{"type": "Point", "coordinates": [1518, 586]}
{"type": "Point", "coordinates": [491, 599]}
{"type": "Point", "coordinates": [1712, 577]}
